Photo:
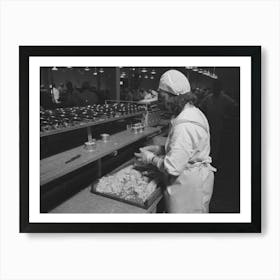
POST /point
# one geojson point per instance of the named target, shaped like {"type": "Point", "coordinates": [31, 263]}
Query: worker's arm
{"type": "Point", "coordinates": [156, 149]}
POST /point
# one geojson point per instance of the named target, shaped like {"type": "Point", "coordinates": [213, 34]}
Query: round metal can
{"type": "Point", "coordinates": [90, 146]}
{"type": "Point", "coordinates": [105, 137]}
{"type": "Point", "coordinates": [135, 130]}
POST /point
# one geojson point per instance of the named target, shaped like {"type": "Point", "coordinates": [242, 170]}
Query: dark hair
{"type": "Point", "coordinates": [178, 102]}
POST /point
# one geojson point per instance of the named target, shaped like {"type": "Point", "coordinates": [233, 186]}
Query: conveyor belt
{"type": "Point", "coordinates": [87, 124]}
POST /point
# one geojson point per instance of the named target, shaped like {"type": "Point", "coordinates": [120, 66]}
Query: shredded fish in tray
{"type": "Point", "coordinates": [128, 184]}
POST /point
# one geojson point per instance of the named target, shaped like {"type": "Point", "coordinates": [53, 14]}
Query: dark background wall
{"type": "Point", "coordinates": [77, 76]}
{"type": "Point", "coordinates": [229, 76]}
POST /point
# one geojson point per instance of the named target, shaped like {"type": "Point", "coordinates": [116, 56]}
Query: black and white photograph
{"type": "Point", "coordinates": [139, 139]}
{"type": "Point", "coordinates": [122, 136]}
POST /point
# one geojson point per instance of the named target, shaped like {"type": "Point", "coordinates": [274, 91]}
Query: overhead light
{"type": "Point", "coordinates": [95, 72]}
{"type": "Point", "coordinates": [146, 77]}
{"type": "Point", "coordinates": [152, 77]}
{"type": "Point", "coordinates": [54, 68]}
{"type": "Point", "coordinates": [144, 70]}
{"type": "Point", "coordinates": [69, 67]}
{"type": "Point", "coordinates": [205, 72]}
{"type": "Point", "coordinates": [133, 69]}
{"type": "Point", "coordinates": [101, 70]}
{"type": "Point", "coordinates": [87, 69]}
{"type": "Point", "coordinates": [153, 72]}
{"type": "Point", "coordinates": [140, 76]}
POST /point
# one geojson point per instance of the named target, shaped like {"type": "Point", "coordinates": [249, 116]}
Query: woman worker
{"type": "Point", "coordinates": [185, 159]}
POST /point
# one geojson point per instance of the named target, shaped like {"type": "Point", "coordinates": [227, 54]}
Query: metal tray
{"type": "Point", "coordinates": [145, 205]}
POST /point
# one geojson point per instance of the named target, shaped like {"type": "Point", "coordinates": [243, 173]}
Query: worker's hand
{"type": "Point", "coordinates": [145, 156]}
{"type": "Point", "coordinates": [156, 149]}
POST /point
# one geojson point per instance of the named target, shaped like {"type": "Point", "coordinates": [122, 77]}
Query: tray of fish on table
{"type": "Point", "coordinates": [132, 182]}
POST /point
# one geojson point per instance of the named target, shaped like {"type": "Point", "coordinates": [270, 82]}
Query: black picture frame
{"type": "Point", "coordinates": [254, 52]}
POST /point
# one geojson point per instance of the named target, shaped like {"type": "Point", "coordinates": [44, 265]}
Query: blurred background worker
{"type": "Point", "coordinates": [88, 96]}
{"type": "Point", "coordinates": [45, 97]}
{"type": "Point", "coordinates": [61, 88]}
{"type": "Point", "coordinates": [55, 94]}
{"type": "Point", "coordinates": [218, 108]}
{"type": "Point", "coordinates": [185, 158]}
{"type": "Point", "coordinates": [71, 96]}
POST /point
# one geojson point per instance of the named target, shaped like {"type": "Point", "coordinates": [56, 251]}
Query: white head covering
{"type": "Point", "coordinates": [174, 82]}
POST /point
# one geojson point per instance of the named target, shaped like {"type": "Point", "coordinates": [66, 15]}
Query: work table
{"type": "Point", "coordinates": [87, 202]}
{"type": "Point", "coordinates": [54, 167]}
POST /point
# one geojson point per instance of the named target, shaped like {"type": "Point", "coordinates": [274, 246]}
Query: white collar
{"type": "Point", "coordinates": [188, 105]}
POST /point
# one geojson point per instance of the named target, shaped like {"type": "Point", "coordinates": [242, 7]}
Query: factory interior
{"type": "Point", "coordinates": [94, 119]}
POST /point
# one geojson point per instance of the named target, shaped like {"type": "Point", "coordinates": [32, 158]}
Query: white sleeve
{"type": "Point", "coordinates": [180, 150]}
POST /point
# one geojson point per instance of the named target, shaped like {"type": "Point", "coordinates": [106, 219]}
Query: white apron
{"type": "Point", "coordinates": [191, 191]}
